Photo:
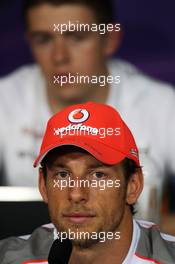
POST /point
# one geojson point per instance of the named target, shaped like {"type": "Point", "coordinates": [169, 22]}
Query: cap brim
{"type": "Point", "coordinates": [96, 148]}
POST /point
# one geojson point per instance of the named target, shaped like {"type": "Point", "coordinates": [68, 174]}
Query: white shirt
{"type": "Point", "coordinates": [147, 106]}
{"type": "Point", "coordinates": [132, 257]}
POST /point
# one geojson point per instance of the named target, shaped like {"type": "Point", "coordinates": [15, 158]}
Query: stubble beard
{"type": "Point", "coordinates": [89, 242]}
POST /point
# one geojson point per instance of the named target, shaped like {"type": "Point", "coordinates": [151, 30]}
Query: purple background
{"type": "Point", "coordinates": [149, 40]}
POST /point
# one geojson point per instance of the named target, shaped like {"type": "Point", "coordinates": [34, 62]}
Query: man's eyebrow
{"type": "Point", "coordinates": [92, 166]}
{"type": "Point", "coordinates": [55, 166]}
{"type": "Point", "coordinates": [81, 32]}
{"type": "Point", "coordinates": [35, 33]}
{"type": "Point", "coordinates": [99, 165]}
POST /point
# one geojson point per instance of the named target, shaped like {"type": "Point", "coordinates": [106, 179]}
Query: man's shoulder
{"type": "Point", "coordinates": [31, 247]}
{"type": "Point", "coordinates": [142, 93]}
{"type": "Point", "coordinates": [26, 71]}
{"type": "Point", "coordinates": [155, 245]}
{"type": "Point", "coordinates": [19, 89]}
{"type": "Point", "coordinates": [133, 79]}
{"type": "Point", "coordinates": [20, 82]}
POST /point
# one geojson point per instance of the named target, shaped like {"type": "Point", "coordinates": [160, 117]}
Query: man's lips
{"type": "Point", "coordinates": [78, 217]}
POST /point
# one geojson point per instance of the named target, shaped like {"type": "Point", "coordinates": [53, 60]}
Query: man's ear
{"type": "Point", "coordinates": [135, 186]}
{"type": "Point", "coordinates": [113, 42]}
{"type": "Point", "coordinates": [42, 186]}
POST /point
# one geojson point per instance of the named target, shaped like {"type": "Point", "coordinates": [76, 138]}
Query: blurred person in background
{"type": "Point", "coordinates": [32, 93]}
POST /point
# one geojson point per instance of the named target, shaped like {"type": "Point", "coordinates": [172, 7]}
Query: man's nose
{"type": "Point", "coordinates": [78, 194]}
{"type": "Point", "coordinates": [60, 53]}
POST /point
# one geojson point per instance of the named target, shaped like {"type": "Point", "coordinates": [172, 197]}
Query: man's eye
{"type": "Point", "coordinates": [76, 36]}
{"type": "Point", "coordinates": [62, 174]}
{"type": "Point", "coordinates": [41, 40]}
{"type": "Point", "coordinates": [98, 174]}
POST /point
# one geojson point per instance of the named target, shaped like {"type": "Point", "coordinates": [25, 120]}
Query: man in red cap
{"type": "Point", "coordinates": [90, 177]}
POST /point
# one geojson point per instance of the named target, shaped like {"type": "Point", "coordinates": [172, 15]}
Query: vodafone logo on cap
{"type": "Point", "coordinates": [78, 116]}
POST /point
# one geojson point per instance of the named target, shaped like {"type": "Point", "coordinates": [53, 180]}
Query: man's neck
{"type": "Point", "coordinates": [111, 251]}
{"type": "Point", "coordinates": [99, 94]}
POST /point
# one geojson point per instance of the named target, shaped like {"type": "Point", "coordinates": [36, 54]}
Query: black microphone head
{"type": "Point", "coordinates": [60, 252]}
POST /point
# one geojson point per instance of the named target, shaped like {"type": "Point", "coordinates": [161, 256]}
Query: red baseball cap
{"type": "Point", "coordinates": [97, 128]}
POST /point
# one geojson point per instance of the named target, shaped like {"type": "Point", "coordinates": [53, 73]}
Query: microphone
{"type": "Point", "coordinates": [60, 252]}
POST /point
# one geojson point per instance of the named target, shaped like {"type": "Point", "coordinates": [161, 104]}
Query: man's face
{"type": "Point", "coordinates": [84, 209]}
{"type": "Point", "coordinates": [82, 53]}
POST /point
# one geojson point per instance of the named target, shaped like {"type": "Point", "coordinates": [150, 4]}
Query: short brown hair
{"type": "Point", "coordinates": [103, 9]}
